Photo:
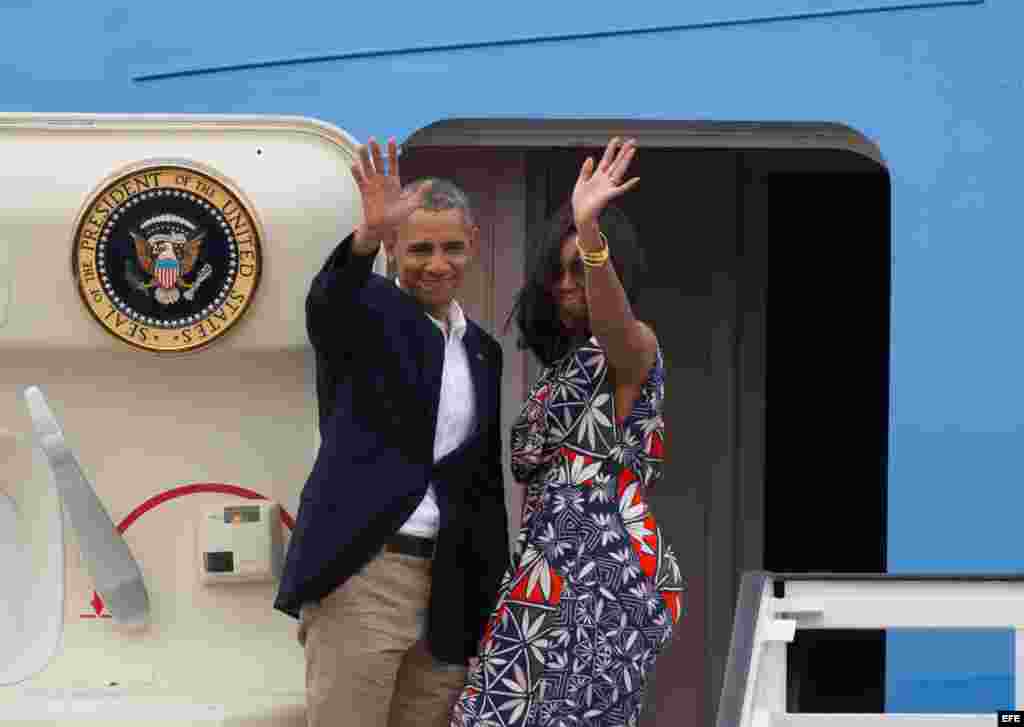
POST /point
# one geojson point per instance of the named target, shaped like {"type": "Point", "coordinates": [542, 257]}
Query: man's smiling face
{"type": "Point", "coordinates": [432, 251]}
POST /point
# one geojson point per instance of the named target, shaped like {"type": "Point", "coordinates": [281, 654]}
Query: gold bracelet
{"type": "Point", "coordinates": [594, 259]}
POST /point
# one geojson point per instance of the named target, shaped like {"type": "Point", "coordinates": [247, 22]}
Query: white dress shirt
{"type": "Point", "coordinates": [455, 416]}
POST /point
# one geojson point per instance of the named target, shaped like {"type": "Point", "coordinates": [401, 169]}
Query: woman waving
{"type": "Point", "coordinates": [594, 590]}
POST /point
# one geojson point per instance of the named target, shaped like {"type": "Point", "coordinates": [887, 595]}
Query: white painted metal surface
{"type": "Point", "coordinates": [241, 412]}
{"type": "Point", "coordinates": [872, 603]}
{"type": "Point", "coordinates": [110, 562]}
{"type": "Point", "coordinates": [906, 604]}
{"type": "Point", "coordinates": [294, 172]}
{"type": "Point", "coordinates": [884, 720]}
{"type": "Point", "coordinates": [32, 556]}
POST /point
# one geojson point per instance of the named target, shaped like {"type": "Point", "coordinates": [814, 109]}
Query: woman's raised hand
{"type": "Point", "coordinates": [596, 187]}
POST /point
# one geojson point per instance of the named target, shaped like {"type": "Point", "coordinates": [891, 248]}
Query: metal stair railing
{"type": "Point", "coordinates": [754, 689]}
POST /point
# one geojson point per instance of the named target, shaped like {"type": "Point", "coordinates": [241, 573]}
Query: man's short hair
{"type": "Point", "coordinates": [444, 195]}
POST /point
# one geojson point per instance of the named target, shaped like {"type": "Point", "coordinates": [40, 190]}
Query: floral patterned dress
{"type": "Point", "coordinates": [594, 590]}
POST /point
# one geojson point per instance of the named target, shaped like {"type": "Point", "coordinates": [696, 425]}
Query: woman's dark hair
{"type": "Point", "coordinates": [535, 312]}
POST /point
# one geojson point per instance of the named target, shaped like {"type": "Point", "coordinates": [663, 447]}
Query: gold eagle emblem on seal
{"type": "Point", "coordinates": [167, 257]}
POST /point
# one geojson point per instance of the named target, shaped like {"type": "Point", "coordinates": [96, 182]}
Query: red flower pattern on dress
{"type": "Point", "coordinates": [594, 590]}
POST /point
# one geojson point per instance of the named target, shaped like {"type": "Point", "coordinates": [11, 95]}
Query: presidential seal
{"type": "Point", "coordinates": [167, 257]}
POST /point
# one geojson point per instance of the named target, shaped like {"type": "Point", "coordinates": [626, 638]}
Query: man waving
{"type": "Point", "coordinates": [400, 539]}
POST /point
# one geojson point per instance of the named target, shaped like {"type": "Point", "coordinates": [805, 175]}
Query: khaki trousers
{"type": "Point", "coordinates": [367, 663]}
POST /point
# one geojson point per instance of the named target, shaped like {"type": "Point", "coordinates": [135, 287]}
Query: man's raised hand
{"type": "Point", "coordinates": [385, 206]}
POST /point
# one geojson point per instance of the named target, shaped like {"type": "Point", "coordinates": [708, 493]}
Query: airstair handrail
{"type": "Point", "coordinates": [770, 607]}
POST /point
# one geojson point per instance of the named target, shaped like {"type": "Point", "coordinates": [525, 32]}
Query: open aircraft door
{"type": "Point", "coordinates": [156, 369]}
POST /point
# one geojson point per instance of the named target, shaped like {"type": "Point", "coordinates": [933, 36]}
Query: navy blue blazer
{"type": "Point", "coordinates": [379, 362]}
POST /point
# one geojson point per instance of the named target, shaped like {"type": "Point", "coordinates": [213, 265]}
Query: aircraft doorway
{"type": "Point", "coordinates": [746, 486]}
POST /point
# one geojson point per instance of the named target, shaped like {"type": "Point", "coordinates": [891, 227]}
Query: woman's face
{"type": "Point", "coordinates": [567, 286]}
